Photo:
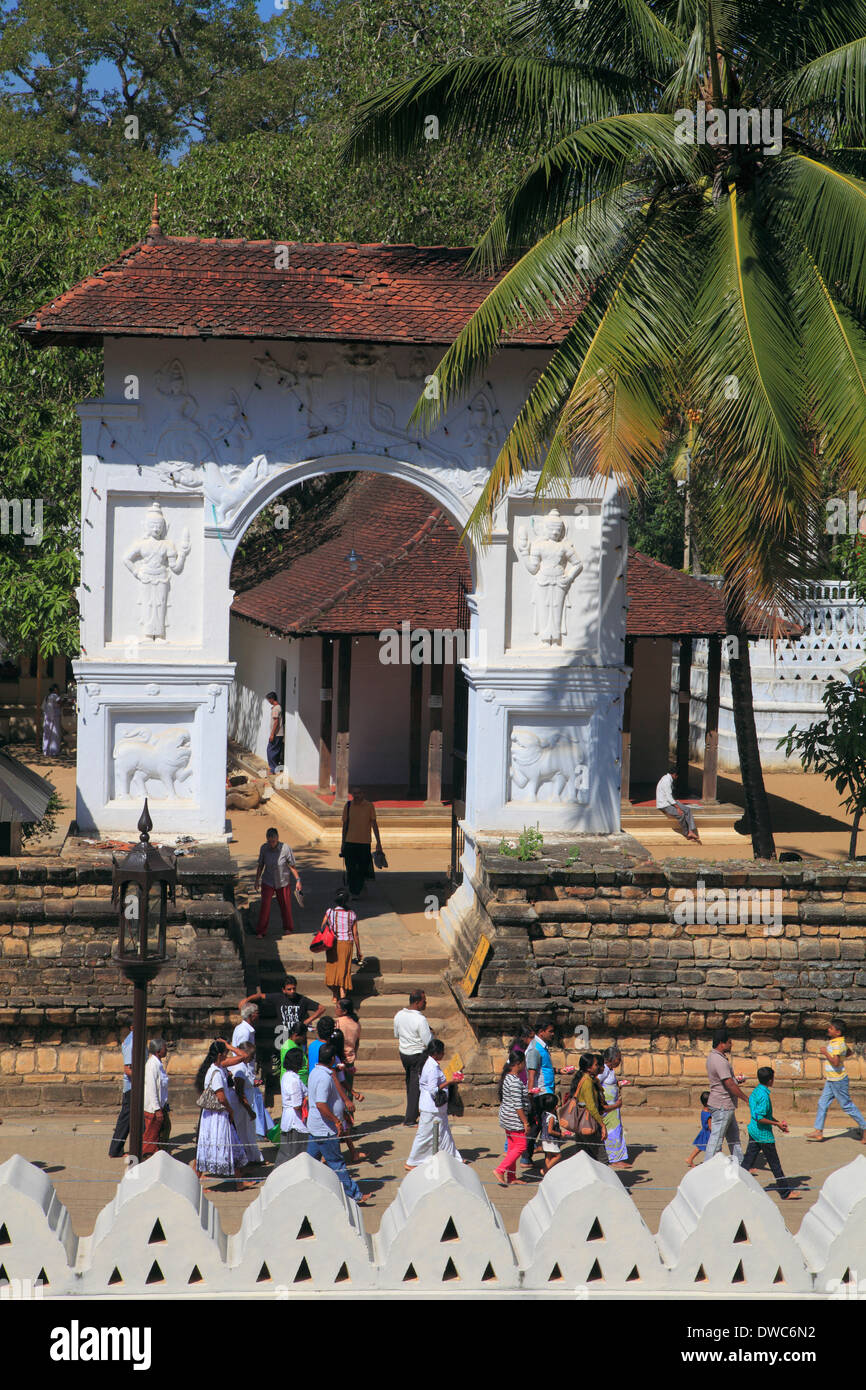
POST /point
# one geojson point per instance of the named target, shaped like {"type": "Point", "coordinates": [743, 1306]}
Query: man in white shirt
{"type": "Point", "coordinates": [675, 810]}
{"type": "Point", "coordinates": [413, 1033]}
{"type": "Point", "coordinates": [155, 1096]}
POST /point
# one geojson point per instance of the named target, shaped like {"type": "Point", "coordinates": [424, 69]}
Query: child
{"type": "Point", "coordinates": [702, 1138]}
{"type": "Point", "coordinates": [513, 1116]}
{"type": "Point", "coordinates": [550, 1132]}
{"type": "Point", "coordinates": [761, 1135]}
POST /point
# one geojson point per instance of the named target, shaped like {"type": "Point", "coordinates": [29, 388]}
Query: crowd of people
{"type": "Point", "coordinates": [316, 1067]}
{"type": "Point", "coordinates": [311, 1058]}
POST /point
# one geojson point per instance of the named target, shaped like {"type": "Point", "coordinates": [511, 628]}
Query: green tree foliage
{"type": "Point", "coordinates": [835, 746]}
{"type": "Point", "coordinates": [263, 127]}
{"type": "Point", "coordinates": [719, 266]}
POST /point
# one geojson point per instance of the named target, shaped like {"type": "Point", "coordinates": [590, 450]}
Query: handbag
{"type": "Point", "coordinates": [440, 1097]}
{"type": "Point", "coordinates": [208, 1100]}
{"type": "Point", "coordinates": [324, 939]}
{"type": "Point", "coordinates": [379, 859]}
{"type": "Point", "coordinates": [569, 1114]}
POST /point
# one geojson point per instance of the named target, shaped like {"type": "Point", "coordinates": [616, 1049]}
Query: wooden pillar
{"type": "Point", "coordinates": [709, 791]}
{"type": "Point", "coordinates": [626, 724]}
{"type": "Point", "coordinates": [344, 683]}
{"type": "Point", "coordinates": [683, 716]}
{"type": "Point", "coordinates": [416, 693]}
{"type": "Point", "coordinates": [434, 747]}
{"type": "Point", "coordinates": [326, 722]}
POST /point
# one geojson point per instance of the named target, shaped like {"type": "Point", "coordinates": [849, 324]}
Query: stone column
{"type": "Point", "coordinates": [626, 725]}
{"type": "Point", "coordinates": [434, 748]}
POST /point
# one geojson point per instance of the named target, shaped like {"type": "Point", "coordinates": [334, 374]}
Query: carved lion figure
{"type": "Point", "coordinates": [145, 754]}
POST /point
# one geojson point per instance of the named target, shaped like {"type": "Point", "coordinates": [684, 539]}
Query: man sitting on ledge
{"type": "Point", "coordinates": [673, 809]}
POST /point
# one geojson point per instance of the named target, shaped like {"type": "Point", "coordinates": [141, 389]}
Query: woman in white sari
{"type": "Point", "coordinates": [219, 1152]}
{"type": "Point", "coordinates": [240, 1098]}
{"type": "Point", "coordinates": [245, 1036]}
{"type": "Point", "coordinates": [52, 732]}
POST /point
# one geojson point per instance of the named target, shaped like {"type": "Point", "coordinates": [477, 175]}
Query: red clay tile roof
{"type": "Point", "coordinates": [664, 602]}
{"type": "Point", "coordinates": [187, 286]}
{"type": "Point", "coordinates": [411, 567]}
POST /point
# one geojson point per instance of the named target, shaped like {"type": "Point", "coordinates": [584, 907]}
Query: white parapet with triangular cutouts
{"type": "Point", "coordinates": [442, 1233]}
{"type": "Point", "coordinates": [723, 1234]}
{"type": "Point", "coordinates": [38, 1246]}
{"type": "Point", "coordinates": [832, 1235]}
{"type": "Point", "coordinates": [582, 1232]}
{"type": "Point", "coordinates": [302, 1232]}
{"type": "Point", "coordinates": [158, 1235]}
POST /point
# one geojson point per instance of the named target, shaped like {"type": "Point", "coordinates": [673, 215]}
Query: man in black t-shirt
{"type": "Point", "coordinates": [283, 1011]}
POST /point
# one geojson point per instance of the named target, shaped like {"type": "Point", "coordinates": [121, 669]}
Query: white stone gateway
{"type": "Point", "coordinates": [198, 432]}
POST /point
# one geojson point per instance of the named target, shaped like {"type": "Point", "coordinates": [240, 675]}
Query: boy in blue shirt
{"type": "Point", "coordinates": [761, 1138]}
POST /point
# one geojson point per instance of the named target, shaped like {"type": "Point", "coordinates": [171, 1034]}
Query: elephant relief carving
{"type": "Point", "coordinates": [538, 759]}
{"type": "Point", "coordinates": [144, 755]}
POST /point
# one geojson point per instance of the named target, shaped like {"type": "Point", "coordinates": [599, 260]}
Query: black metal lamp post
{"type": "Point", "coordinates": [140, 888]}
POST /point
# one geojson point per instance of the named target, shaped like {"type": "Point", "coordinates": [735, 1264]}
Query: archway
{"type": "Point", "coordinates": [351, 608]}
{"type": "Point", "coordinates": [172, 481]}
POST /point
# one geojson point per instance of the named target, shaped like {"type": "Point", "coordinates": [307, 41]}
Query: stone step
{"type": "Point", "coordinates": [363, 983]}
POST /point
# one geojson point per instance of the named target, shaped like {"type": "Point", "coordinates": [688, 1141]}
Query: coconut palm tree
{"type": "Point", "coordinates": [694, 181]}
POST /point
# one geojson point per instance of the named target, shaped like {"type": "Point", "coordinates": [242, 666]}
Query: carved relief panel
{"type": "Point", "coordinates": [553, 578]}
{"type": "Point", "coordinates": [153, 591]}
{"type": "Point", "coordinates": [549, 762]}
{"type": "Point", "coordinates": [152, 755]}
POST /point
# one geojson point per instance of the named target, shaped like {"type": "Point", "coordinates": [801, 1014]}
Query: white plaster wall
{"type": "Point", "coordinates": [307, 717]}
{"type": "Point", "coordinates": [650, 709]}
{"type": "Point", "coordinates": [256, 656]}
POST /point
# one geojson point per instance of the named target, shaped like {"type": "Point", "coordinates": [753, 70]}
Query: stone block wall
{"type": "Point", "coordinates": [64, 1003]}
{"type": "Point", "coordinates": [622, 948]}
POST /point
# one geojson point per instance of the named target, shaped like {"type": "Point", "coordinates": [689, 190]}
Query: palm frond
{"type": "Point", "coordinates": [509, 99]}
{"type": "Point", "coordinates": [825, 207]}
{"type": "Point", "coordinates": [748, 383]}
{"type": "Point", "coordinates": [593, 160]}
{"type": "Point", "coordinates": [837, 79]}
{"type": "Point", "coordinates": [627, 34]}
{"type": "Point", "coordinates": [834, 364]}
{"type": "Point", "coordinates": [544, 280]}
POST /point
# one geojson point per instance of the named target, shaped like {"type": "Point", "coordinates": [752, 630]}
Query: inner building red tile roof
{"type": "Point", "coordinates": [411, 565]}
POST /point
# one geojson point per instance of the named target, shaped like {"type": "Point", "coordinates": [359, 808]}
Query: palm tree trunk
{"type": "Point", "coordinates": [757, 806]}
{"type": "Point", "coordinates": [852, 848]}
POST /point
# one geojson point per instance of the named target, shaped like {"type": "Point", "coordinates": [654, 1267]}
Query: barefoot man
{"type": "Point", "coordinates": [673, 809]}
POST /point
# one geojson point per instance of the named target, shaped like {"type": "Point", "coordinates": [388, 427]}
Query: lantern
{"type": "Point", "coordinates": [141, 887]}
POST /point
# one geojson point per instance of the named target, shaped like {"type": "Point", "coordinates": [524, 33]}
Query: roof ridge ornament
{"type": "Point", "coordinates": [154, 231]}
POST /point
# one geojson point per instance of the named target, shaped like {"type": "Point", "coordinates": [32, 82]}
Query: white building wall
{"type": "Point", "coordinates": [257, 671]}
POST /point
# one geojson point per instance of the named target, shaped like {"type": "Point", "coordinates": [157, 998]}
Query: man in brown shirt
{"type": "Point", "coordinates": [724, 1094]}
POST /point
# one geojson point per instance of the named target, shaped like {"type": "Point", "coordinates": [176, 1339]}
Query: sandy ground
{"type": "Point", "coordinates": [806, 810]}
{"type": "Point", "coordinates": [72, 1149]}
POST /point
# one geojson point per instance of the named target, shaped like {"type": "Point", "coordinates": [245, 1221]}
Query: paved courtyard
{"type": "Point", "coordinates": [72, 1149]}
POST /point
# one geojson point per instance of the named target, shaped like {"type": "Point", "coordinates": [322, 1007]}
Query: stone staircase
{"type": "Point", "coordinates": [400, 964]}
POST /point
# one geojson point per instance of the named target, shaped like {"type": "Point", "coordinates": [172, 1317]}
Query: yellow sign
{"type": "Point", "coordinates": [455, 1065]}
{"type": "Point", "coordinates": [470, 979]}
